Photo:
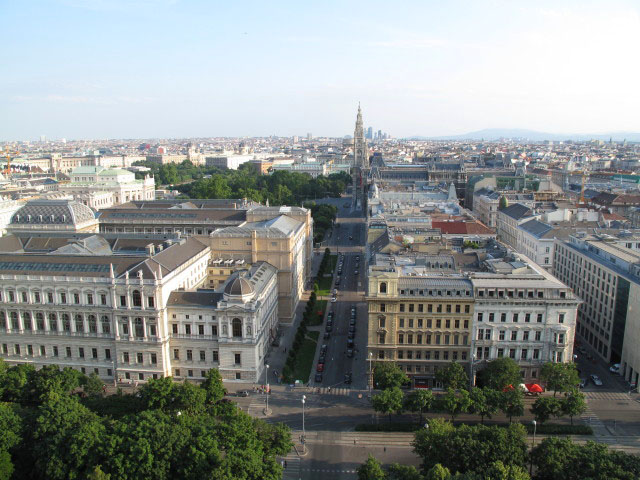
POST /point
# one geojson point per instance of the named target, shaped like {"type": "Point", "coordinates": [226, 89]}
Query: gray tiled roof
{"type": "Point", "coordinates": [536, 228]}
{"type": "Point", "coordinates": [66, 212]}
{"type": "Point", "coordinates": [517, 211]}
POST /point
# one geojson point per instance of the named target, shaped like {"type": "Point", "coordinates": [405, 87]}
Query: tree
{"type": "Point", "coordinates": [512, 403]}
{"type": "Point", "coordinates": [158, 393]}
{"type": "Point", "coordinates": [276, 437]}
{"type": "Point", "coordinates": [469, 448]}
{"type": "Point", "coordinates": [397, 471]}
{"type": "Point", "coordinates": [438, 472]}
{"type": "Point", "coordinates": [93, 386]}
{"type": "Point", "coordinates": [388, 375]}
{"type": "Point", "coordinates": [561, 458]}
{"type": "Point", "coordinates": [189, 398]}
{"type": "Point", "coordinates": [388, 401]}
{"type": "Point", "coordinates": [14, 380]}
{"type": "Point", "coordinates": [98, 474]}
{"type": "Point", "coordinates": [484, 402]}
{"type": "Point", "coordinates": [67, 438]}
{"type": "Point", "coordinates": [213, 386]}
{"type": "Point", "coordinates": [504, 203]}
{"type": "Point", "coordinates": [418, 400]}
{"type": "Point", "coordinates": [453, 376]}
{"type": "Point", "coordinates": [544, 408]}
{"type": "Point", "coordinates": [573, 404]}
{"type": "Point", "coordinates": [500, 373]}
{"type": "Point", "coordinates": [560, 377]}
{"type": "Point", "coordinates": [504, 471]}
{"type": "Point", "coordinates": [371, 470]}
{"type": "Point", "coordinates": [454, 403]}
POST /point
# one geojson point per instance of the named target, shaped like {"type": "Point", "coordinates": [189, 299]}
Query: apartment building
{"type": "Point", "coordinates": [421, 323]}
{"type": "Point", "coordinates": [486, 204]}
{"type": "Point", "coordinates": [521, 312]}
{"type": "Point", "coordinates": [606, 275]}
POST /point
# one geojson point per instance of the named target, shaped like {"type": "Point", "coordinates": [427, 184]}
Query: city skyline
{"type": "Point", "coordinates": [172, 69]}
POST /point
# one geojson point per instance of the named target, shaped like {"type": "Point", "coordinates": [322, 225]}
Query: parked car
{"type": "Point", "coordinates": [350, 336]}
{"type": "Point", "coordinates": [596, 380]}
{"type": "Point", "coordinates": [352, 321]}
{"type": "Point", "coordinates": [328, 328]}
{"type": "Point", "coordinates": [356, 272]}
{"type": "Point", "coordinates": [334, 299]}
{"type": "Point", "coordinates": [326, 334]}
{"type": "Point", "coordinates": [320, 368]}
{"type": "Point", "coordinates": [615, 368]}
{"type": "Point", "coordinates": [323, 348]}
{"type": "Point", "coordinates": [318, 378]}
{"type": "Point", "coordinates": [350, 343]}
{"type": "Point", "coordinates": [242, 393]}
{"type": "Point", "coordinates": [349, 352]}
{"type": "Point", "coordinates": [337, 281]}
{"type": "Point", "coordinates": [321, 358]}
{"type": "Point", "coordinates": [347, 378]}
{"type": "Point", "coordinates": [335, 291]}
{"type": "Point", "coordinates": [583, 383]}
{"type": "Point", "coordinates": [352, 329]}
{"type": "Point", "coordinates": [350, 237]}
{"type": "Point", "coordinates": [357, 258]}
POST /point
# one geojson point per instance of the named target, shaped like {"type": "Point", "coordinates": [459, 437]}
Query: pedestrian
{"type": "Point", "coordinates": [285, 464]}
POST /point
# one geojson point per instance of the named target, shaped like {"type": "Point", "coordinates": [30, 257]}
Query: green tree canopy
{"type": "Point", "coordinates": [388, 375]}
{"type": "Point", "coordinates": [453, 376]}
{"type": "Point", "coordinates": [388, 401]}
{"type": "Point", "coordinates": [454, 403]}
{"type": "Point", "coordinates": [560, 377]}
{"type": "Point", "coordinates": [419, 400]}
{"type": "Point", "coordinates": [213, 386]}
{"type": "Point", "coordinates": [573, 404]}
{"type": "Point", "coordinates": [371, 470]}
{"type": "Point", "coordinates": [500, 373]}
{"type": "Point", "coordinates": [512, 403]}
{"type": "Point", "coordinates": [484, 402]}
{"type": "Point", "coordinates": [470, 448]}
{"type": "Point", "coordinates": [545, 408]}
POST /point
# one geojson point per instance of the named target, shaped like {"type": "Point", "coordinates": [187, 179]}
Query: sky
{"type": "Point", "coordinates": [91, 69]}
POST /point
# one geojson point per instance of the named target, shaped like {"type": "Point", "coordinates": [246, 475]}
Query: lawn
{"type": "Point", "coordinates": [321, 306]}
{"type": "Point", "coordinates": [324, 286]}
{"type": "Point", "coordinates": [304, 360]}
{"type": "Point", "coordinates": [333, 260]}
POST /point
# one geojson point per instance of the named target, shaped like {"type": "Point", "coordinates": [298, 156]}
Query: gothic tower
{"type": "Point", "coordinates": [360, 153]}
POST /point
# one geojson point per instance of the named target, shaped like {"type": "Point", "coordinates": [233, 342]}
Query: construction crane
{"type": "Point", "coordinates": [7, 154]}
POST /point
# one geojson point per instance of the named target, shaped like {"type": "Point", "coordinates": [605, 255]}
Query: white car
{"type": "Point", "coordinates": [334, 299]}
{"type": "Point", "coordinates": [335, 291]}
{"type": "Point", "coordinates": [596, 380]}
{"type": "Point", "coordinates": [615, 368]}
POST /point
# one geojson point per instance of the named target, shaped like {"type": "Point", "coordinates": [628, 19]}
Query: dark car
{"type": "Point", "coordinates": [352, 321]}
{"type": "Point", "coordinates": [326, 335]}
{"type": "Point", "coordinates": [242, 393]}
{"type": "Point", "coordinates": [352, 329]}
{"type": "Point", "coordinates": [321, 359]}
{"type": "Point", "coordinates": [351, 336]}
{"type": "Point", "coordinates": [320, 367]}
{"type": "Point", "coordinates": [323, 349]}
{"type": "Point", "coordinates": [350, 343]}
{"type": "Point", "coordinates": [328, 328]}
{"type": "Point", "coordinates": [318, 378]}
{"type": "Point", "coordinates": [337, 282]}
{"type": "Point", "coordinates": [347, 378]}
{"type": "Point", "coordinates": [350, 237]}
{"type": "Point", "coordinates": [350, 352]}
{"type": "Point", "coordinates": [340, 272]}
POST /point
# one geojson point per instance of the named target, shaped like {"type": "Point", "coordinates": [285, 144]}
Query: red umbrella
{"type": "Point", "coordinates": [534, 388]}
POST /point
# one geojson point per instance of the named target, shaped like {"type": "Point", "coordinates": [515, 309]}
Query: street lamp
{"type": "Point", "coordinates": [533, 444]}
{"type": "Point", "coordinates": [471, 377]}
{"type": "Point", "coordinates": [303, 438]}
{"type": "Point", "coordinates": [115, 374]}
{"type": "Point", "coordinates": [370, 373]}
{"type": "Point", "coordinates": [266, 382]}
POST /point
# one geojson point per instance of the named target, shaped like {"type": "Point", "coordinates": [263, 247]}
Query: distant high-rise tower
{"type": "Point", "coordinates": [370, 133]}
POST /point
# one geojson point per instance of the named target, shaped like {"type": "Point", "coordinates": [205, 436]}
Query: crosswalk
{"type": "Point", "coordinates": [615, 396]}
{"type": "Point", "coordinates": [591, 419]}
{"type": "Point", "coordinates": [291, 469]}
{"type": "Point", "coordinates": [345, 392]}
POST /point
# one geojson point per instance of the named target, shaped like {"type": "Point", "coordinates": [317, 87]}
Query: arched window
{"type": "Point", "coordinates": [93, 325]}
{"type": "Point", "coordinates": [138, 327]}
{"type": "Point", "coordinates": [53, 322]}
{"type": "Point", "coordinates": [236, 325]}
{"type": "Point", "coordinates": [106, 324]}
{"type": "Point", "coordinates": [26, 320]}
{"type": "Point", "coordinates": [39, 321]}
{"type": "Point", "coordinates": [66, 322]}
{"type": "Point", "coordinates": [15, 323]}
{"type": "Point", "coordinates": [79, 323]}
{"type": "Point", "coordinates": [137, 298]}
{"type": "Point", "coordinates": [383, 287]}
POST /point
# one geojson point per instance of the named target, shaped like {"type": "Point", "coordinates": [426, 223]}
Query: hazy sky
{"type": "Point", "coordinates": [161, 68]}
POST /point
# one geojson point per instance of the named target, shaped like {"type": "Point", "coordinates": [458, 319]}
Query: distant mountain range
{"type": "Point", "coordinates": [491, 134]}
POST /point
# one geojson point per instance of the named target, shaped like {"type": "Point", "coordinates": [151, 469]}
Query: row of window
{"type": "Point", "coordinates": [485, 334]}
{"type": "Point", "coordinates": [54, 351]}
{"type": "Point", "coordinates": [429, 339]}
{"type": "Point", "coordinates": [421, 323]}
{"type": "Point", "coordinates": [515, 317]}
{"type": "Point", "coordinates": [514, 353]}
{"type": "Point", "coordinates": [200, 329]}
{"type": "Point", "coordinates": [54, 322]}
{"type": "Point", "coordinates": [75, 298]}
{"type": "Point", "coordinates": [202, 356]}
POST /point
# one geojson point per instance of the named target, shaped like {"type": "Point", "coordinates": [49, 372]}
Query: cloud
{"type": "Point", "coordinates": [83, 99]}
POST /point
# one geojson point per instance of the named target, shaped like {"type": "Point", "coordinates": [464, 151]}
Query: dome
{"type": "Point", "coordinates": [69, 212]}
{"type": "Point", "coordinates": [239, 287]}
